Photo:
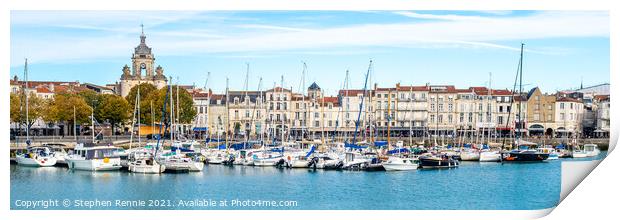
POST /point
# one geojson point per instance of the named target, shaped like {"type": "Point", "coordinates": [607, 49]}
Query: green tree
{"type": "Point", "coordinates": [114, 109]}
{"type": "Point", "coordinates": [60, 109]}
{"type": "Point", "coordinates": [186, 110]}
{"type": "Point", "coordinates": [146, 90]}
{"type": "Point", "coordinates": [36, 108]}
{"type": "Point", "coordinates": [91, 97]}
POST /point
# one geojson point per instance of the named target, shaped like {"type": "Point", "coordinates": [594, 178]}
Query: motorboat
{"type": "Point", "coordinates": [42, 156]}
{"type": "Point", "coordinates": [266, 159]}
{"type": "Point", "coordinates": [470, 155]}
{"type": "Point", "coordinates": [591, 150]}
{"type": "Point", "coordinates": [527, 155]}
{"type": "Point", "coordinates": [59, 152]}
{"type": "Point", "coordinates": [94, 158]}
{"type": "Point", "coordinates": [326, 162]}
{"type": "Point", "coordinates": [490, 156]}
{"type": "Point", "coordinates": [400, 164]}
{"type": "Point", "coordinates": [553, 154]}
{"type": "Point", "coordinates": [146, 165]}
{"type": "Point", "coordinates": [438, 161]}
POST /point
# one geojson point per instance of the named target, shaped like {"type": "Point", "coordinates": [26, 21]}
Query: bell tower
{"type": "Point", "coordinates": [142, 60]}
{"type": "Point", "coordinates": [142, 69]}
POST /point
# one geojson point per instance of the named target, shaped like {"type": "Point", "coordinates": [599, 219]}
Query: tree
{"type": "Point", "coordinates": [60, 109]}
{"type": "Point", "coordinates": [36, 108]}
{"type": "Point", "coordinates": [91, 97]}
{"type": "Point", "coordinates": [146, 90]}
{"type": "Point", "coordinates": [114, 109]}
{"type": "Point", "coordinates": [186, 110]}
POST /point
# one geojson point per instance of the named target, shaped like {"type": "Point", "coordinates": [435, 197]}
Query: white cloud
{"type": "Point", "coordinates": [440, 31]}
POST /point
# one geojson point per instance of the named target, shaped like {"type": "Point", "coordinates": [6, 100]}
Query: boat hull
{"type": "Point", "coordinates": [438, 162]}
{"type": "Point", "coordinates": [94, 164]}
{"type": "Point", "coordinates": [525, 157]}
{"type": "Point", "coordinates": [35, 162]}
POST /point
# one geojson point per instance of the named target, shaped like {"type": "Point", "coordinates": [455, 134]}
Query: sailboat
{"type": "Point", "coordinates": [34, 156]}
{"type": "Point", "coordinates": [523, 154]}
{"type": "Point", "coordinates": [141, 160]}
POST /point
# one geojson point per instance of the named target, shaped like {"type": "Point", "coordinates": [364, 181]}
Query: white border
{"type": "Point", "coordinates": [593, 198]}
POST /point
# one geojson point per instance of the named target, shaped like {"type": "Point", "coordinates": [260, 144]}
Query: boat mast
{"type": "Point", "coordinates": [171, 112]}
{"type": "Point", "coordinates": [411, 116]}
{"type": "Point", "coordinates": [303, 99]}
{"type": "Point", "coordinates": [521, 125]}
{"type": "Point", "coordinates": [389, 117]}
{"type": "Point", "coordinates": [26, 93]}
{"type": "Point", "coordinates": [74, 127]}
{"type": "Point", "coordinates": [281, 96]}
{"type": "Point", "coordinates": [359, 114]}
{"type": "Point", "coordinates": [138, 106]}
{"type": "Point", "coordinates": [247, 104]}
{"type": "Point", "coordinates": [227, 116]}
{"type": "Point", "coordinates": [177, 121]}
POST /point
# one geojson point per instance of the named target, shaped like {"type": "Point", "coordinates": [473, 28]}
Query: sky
{"type": "Point", "coordinates": [461, 48]}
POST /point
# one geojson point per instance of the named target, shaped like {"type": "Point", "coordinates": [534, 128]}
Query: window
{"type": "Point", "coordinates": [329, 123]}
{"type": "Point", "coordinates": [316, 115]}
{"type": "Point", "coordinates": [461, 117]}
{"type": "Point", "coordinates": [236, 114]}
{"type": "Point", "coordinates": [470, 118]}
{"type": "Point", "coordinates": [536, 117]}
{"type": "Point", "coordinates": [432, 107]}
{"type": "Point", "coordinates": [449, 118]}
{"type": "Point", "coordinates": [440, 119]}
{"type": "Point", "coordinates": [247, 113]}
{"type": "Point", "coordinates": [500, 120]}
{"type": "Point", "coordinates": [432, 118]}
{"type": "Point", "coordinates": [440, 107]}
{"type": "Point", "coordinates": [561, 105]}
{"type": "Point", "coordinates": [562, 116]}
{"type": "Point", "coordinates": [316, 124]}
{"type": "Point", "coordinates": [537, 107]}
{"type": "Point", "coordinates": [501, 108]}
{"type": "Point", "coordinates": [450, 107]}
{"type": "Point", "coordinates": [571, 105]}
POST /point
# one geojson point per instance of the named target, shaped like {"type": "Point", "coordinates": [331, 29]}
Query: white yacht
{"type": "Point", "coordinates": [588, 150]}
{"type": "Point", "coordinates": [470, 155]}
{"type": "Point", "coordinates": [96, 158]}
{"type": "Point", "coordinates": [37, 157]}
{"type": "Point", "coordinates": [490, 156]}
{"type": "Point", "coordinates": [146, 165]}
{"type": "Point", "coordinates": [400, 164]}
{"type": "Point", "coordinates": [266, 159]}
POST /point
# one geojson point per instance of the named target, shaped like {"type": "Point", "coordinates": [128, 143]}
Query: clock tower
{"type": "Point", "coordinates": [142, 69]}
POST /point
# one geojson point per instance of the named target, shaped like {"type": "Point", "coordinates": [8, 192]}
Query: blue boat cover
{"type": "Point", "coordinates": [381, 143]}
{"type": "Point", "coordinates": [310, 151]}
{"type": "Point", "coordinates": [560, 146]}
{"type": "Point", "coordinates": [200, 129]}
{"type": "Point", "coordinates": [353, 146]}
{"type": "Point", "coordinates": [400, 150]}
{"type": "Point", "coordinates": [222, 147]}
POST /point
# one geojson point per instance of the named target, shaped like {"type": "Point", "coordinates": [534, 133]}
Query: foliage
{"type": "Point", "coordinates": [113, 109]}
{"type": "Point", "coordinates": [36, 108]}
{"type": "Point", "coordinates": [60, 109]}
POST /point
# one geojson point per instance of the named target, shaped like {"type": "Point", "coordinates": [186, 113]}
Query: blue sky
{"type": "Point", "coordinates": [410, 47]}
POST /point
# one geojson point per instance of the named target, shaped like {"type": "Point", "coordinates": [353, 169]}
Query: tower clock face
{"type": "Point", "coordinates": [143, 66]}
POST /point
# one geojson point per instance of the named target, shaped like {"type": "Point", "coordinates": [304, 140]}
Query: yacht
{"type": "Point", "coordinates": [95, 158]}
{"type": "Point", "coordinates": [37, 157]}
{"type": "Point", "coordinates": [588, 150]}
{"type": "Point", "coordinates": [438, 161]}
{"type": "Point", "coordinates": [490, 156]}
{"type": "Point", "coordinates": [59, 152]}
{"type": "Point", "coordinates": [266, 158]}
{"type": "Point", "coordinates": [553, 154]}
{"type": "Point", "coordinates": [470, 155]}
{"type": "Point", "coordinates": [526, 155]}
{"type": "Point", "coordinates": [400, 164]}
{"type": "Point", "coordinates": [146, 165]}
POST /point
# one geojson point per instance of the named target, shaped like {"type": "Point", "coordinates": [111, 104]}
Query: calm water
{"type": "Point", "coordinates": [471, 186]}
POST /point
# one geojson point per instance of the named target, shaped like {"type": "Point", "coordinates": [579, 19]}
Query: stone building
{"type": "Point", "coordinates": [142, 70]}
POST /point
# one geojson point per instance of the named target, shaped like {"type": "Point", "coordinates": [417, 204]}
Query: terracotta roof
{"type": "Point", "coordinates": [278, 89]}
{"type": "Point", "coordinates": [354, 92]}
{"type": "Point", "coordinates": [411, 88]}
{"type": "Point", "coordinates": [331, 99]}
{"type": "Point", "coordinates": [601, 97]}
{"type": "Point", "coordinates": [567, 99]}
{"type": "Point", "coordinates": [442, 89]}
{"type": "Point", "coordinates": [43, 89]}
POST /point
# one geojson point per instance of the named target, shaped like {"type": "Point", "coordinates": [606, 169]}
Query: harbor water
{"type": "Point", "coordinates": [490, 186]}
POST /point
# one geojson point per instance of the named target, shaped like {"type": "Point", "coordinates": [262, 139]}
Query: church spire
{"type": "Point", "coordinates": [142, 36]}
